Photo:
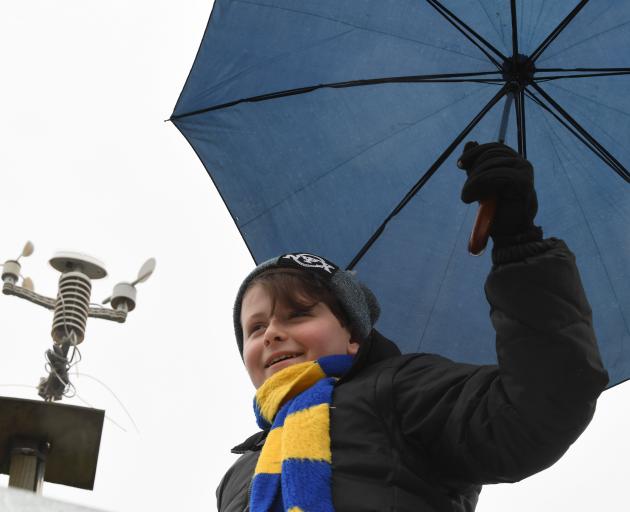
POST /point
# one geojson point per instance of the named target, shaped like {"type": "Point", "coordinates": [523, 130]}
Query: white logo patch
{"type": "Point", "coordinates": [310, 261]}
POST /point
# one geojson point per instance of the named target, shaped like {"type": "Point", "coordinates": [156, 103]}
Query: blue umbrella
{"type": "Point", "coordinates": [332, 127]}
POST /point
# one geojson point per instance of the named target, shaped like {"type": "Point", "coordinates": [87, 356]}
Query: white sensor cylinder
{"type": "Point", "coordinates": [124, 294]}
{"type": "Point", "coordinates": [11, 271]}
{"type": "Point", "coordinates": [71, 307]}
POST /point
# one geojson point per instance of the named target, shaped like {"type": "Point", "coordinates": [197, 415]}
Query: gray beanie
{"type": "Point", "coordinates": [356, 299]}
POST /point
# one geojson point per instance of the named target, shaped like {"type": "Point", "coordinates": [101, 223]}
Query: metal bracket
{"type": "Point", "coordinates": [48, 303]}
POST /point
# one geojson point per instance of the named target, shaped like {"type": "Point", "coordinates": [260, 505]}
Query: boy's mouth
{"type": "Point", "coordinates": [282, 357]}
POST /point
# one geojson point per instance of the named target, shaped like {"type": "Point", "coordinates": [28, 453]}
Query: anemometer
{"type": "Point", "coordinates": [44, 440]}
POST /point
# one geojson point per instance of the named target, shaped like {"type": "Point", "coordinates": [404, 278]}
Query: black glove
{"type": "Point", "coordinates": [496, 170]}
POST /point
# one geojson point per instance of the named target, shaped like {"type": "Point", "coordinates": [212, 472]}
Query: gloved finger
{"type": "Point", "coordinates": [484, 187]}
{"type": "Point", "coordinates": [507, 164]}
{"type": "Point", "coordinates": [469, 146]}
{"type": "Point", "coordinates": [497, 180]}
{"type": "Point", "coordinates": [481, 152]}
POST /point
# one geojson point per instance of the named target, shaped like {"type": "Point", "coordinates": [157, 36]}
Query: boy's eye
{"type": "Point", "coordinates": [256, 327]}
{"type": "Point", "coordinates": [299, 312]}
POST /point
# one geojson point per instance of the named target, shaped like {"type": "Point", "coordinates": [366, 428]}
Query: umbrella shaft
{"type": "Point", "coordinates": [509, 98]}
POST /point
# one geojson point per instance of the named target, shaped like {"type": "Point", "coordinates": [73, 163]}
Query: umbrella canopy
{"type": "Point", "coordinates": [332, 127]}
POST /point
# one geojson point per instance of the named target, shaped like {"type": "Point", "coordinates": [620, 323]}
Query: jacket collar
{"type": "Point", "coordinates": [374, 349]}
{"type": "Point", "coordinates": [252, 443]}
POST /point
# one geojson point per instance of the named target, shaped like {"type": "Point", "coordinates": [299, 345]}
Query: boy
{"type": "Point", "coordinates": [349, 424]}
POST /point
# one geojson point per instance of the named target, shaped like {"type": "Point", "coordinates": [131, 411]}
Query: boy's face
{"type": "Point", "coordinates": [270, 334]}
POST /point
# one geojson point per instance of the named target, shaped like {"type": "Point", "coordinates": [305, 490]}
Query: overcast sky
{"type": "Point", "coordinates": [87, 164]}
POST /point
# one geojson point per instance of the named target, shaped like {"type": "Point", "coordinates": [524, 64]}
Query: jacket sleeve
{"type": "Point", "coordinates": [488, 424]}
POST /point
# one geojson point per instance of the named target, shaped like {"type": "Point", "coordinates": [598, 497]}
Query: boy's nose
{"type": "Point", "coordinates": [273, 333]}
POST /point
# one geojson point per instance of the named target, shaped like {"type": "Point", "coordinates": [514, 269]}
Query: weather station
{"type": "Point", "coordinates": [43, 440]}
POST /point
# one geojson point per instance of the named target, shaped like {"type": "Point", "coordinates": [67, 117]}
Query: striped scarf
{"type": "Point", "coordinates": [296, 458]}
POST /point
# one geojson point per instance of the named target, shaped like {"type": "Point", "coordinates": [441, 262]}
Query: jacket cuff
{"type": "Point", "coordinates": [519, 247]}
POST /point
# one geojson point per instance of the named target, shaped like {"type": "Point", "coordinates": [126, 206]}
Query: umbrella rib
{"type": "Point", "coordinates": [423, 180]}
{"type": "Point", "coordinates": [605, 155]}
{"type": "Point", "coordinates": [556, 32]}
{"type": "Point", "coordinates": [576, 134]}
{"type": "Point", "coordinates": [549, 70]}
{"type": "Point", "coordinates": [584, 41]}
{"type": "Point", "coordinates": [437, 78]}
{"type": "Point", "coordinates": [458, 24]}
{"type": "Point", "coordinates": [581, 75]}
{"type": "Point", "coordinates": [612, 162]}
{"type": "Point", "coordinates": [594, 145]}
{"type": "Point", "coordinates": [595, 101]}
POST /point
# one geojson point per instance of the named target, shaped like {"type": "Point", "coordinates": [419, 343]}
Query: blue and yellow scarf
{"type": "Point", "coordinates": [296, 458]}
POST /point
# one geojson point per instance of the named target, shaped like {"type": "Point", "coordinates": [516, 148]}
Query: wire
{"type": "Point", "coordinates": [76, 395]}
{"type": "Point", "coordinates": [69, 390]}
{"type": "Point", "coordinates": [116, 397]}
{"type": "Point", "coordinates": [106, 416]}
{"type": "Point", "coordinates": [72, 362]}
{"type": "Point", "coordinates": [75, 364]}
{"type": "Point", "coordinates": [58, 365]}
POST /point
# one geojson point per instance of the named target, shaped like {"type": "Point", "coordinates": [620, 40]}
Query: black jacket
{"type": "Point", "coordinates": [421, 433]}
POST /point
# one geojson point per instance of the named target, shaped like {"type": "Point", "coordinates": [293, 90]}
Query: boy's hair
{"type": "Point", "coordinates": [298, 289]}
{"type": "Point", "coordinates": [350, 301]}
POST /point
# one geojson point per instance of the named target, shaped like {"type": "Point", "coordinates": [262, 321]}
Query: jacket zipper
{"type": "Point", "coordinates": [249, 493]}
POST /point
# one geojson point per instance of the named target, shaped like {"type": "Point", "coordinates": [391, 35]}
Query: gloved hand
{"type": "Point", "coordinates": [496, 170]}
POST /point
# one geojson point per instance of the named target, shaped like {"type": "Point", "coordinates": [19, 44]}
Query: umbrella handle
{"type": "Point", "coordinates": [481, 230]}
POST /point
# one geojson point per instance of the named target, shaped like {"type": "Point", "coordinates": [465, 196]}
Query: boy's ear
{"type": "Point", "coordinates": [353, 347]}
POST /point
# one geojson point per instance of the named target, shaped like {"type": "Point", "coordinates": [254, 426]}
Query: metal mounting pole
{"type": "Point", "coordinates": [28, 464]}
{"type": "Point", "coordinates": [55, 442]}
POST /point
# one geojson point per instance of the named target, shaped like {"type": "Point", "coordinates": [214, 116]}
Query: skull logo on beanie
{"type": "Point", "coordinates": [310, 261]}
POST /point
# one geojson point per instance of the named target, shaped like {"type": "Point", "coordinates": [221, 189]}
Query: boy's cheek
{"type": "Point", "coordinates": [255, 374]}
{"type": "Point", "coordinates": [249, 360]}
